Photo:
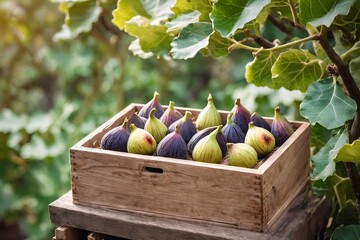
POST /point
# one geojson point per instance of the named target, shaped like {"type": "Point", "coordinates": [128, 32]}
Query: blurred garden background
{"type": "Point", "coordinates": [57, 86]}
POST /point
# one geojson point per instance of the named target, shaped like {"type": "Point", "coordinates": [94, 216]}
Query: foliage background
{"type": "Point", "coordinates": [56, 88]}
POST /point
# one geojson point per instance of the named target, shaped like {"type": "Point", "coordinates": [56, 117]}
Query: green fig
{"type": "Point", "coordinates": [209, 116]}
{"type": "Point", "coordinates": [208, 149]}
{"type": "Point", "coordinates": [281, 128]}
{"type": "Point", "coordinates": [140, 141]}
{"type": "Point", "coordinates": [170, 115]}
{"type": "Point", "coordinates": [155, 127]}
{"type": "Point", "coordinates": [242, 155]}
{"type": "Point", "coordinates": [260, 139]}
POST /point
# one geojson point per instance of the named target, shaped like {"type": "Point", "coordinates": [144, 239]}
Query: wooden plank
{"type": "Point", "coordinates": [304, 220]}
{"type": "Point", "coordinates": [181, 190]}
{"type": "Point", "coordinates": [67, 233]}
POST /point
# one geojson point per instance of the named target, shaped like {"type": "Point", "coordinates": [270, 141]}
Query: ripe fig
{"type": "Point", "coordinates": [280, 127]}
{"type": "Point", "coordinates": [208, 149]}
{"type": "Point", "coordinates": [140, 141]}
{"type": "Point", "coordinates": [242, 155]}
{"type": "Point", "coordinates": [137, 120]}
{"type": "Point", "coordinates": [209, 116]}
{"type": "Point", "coordinates": [172, 145]}
{"type": "Point", "coordinates": [153, 103]}
{"type": "Point", "coordinates": [260, 139]}
{"type": "Point", "coordinates": [241, 115]}
{"type": "Point", "coordinates": [187, 128]}
{"type": "Point", "coordinates": [232, 132]}
{"type": "Point", "coordinates": [259, 121]}
{"type": "Point", "coordinates": [155, 127]}
{"type": "Point", "coordinates": [220, 138]}
{"type": "Point", "coordinates": [117, 138]}
{"type": "Point", "coordinates": [170, 115]}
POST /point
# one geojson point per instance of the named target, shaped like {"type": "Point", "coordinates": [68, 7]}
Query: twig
{"type": "Point", "coordinates": [279, 24]}
{"type": "Point", "coordinates": [259, 40]}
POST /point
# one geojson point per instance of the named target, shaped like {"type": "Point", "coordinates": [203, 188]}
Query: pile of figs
{"type": "Point", "coordinates": [242, 140]}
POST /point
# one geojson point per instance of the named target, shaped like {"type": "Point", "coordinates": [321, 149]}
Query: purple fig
{"type": "Point", "coordinates": [117, 138]}
{"type": "Point", "coordinates": [260, 139]}
{"type": "Point", "coordinates": [280, 127]}
{"type": "Point", "coordinates": [153, 103]}
{"type": "Point", "coordinates": [170, 115]}
{"type": "Point", "coordinates": [241, 115]}
{"type": "Point", "coordinates": [220, 138]}
{"type": "Point", "coordinates": [259, 121]}
{"type": "Point", "coordinates": [232, 132]}
{"type": "Point", "coordinates": [187, 128]}
{"type": "Point", "coordinates": [137, 120]}
{"type": "Point", "coordinates": [172, 145]}
{"type": "Point", "coordinates": [209, 116]}
{"type": "Point", "coordinates": [155, 127]}
{"type": "Point", "coordinates": [140, 141]}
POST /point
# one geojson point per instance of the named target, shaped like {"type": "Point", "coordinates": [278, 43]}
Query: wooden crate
{"type": "Point", "coordinates": [219, 194]}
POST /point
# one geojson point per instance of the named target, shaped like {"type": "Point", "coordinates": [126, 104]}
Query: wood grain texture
{"type": "Point", "coordinates": [243, 198]}
{"type": "Point", "coordinates": [304, 220]}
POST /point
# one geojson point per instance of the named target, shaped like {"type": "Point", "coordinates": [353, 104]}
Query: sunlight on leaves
{"type": "Point", "coordinates": [349, 152]}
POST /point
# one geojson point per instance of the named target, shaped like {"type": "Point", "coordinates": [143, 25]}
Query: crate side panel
{"type": "Point", "coordinates": [287, 175]}
{"type": "Point", "coordinates": [203, 193]}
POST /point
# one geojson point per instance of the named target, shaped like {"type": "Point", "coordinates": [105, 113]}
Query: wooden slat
{"type": "Point", "coordinates": [304, 220]}
{"type": "Point", "coordinates": [67, 233]}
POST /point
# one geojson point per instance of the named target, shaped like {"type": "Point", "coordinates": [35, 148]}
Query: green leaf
{"type": "Point", "coordinates": [152, 38]}
{"type": "Point", "coordinates": [127, 9]}
{"type": "Point", "coordinates": [10, 122]}
{"type": "Point", "coordinates": [37, 149]}
{"type": "Point", "coordinates": [282, 8]}
{"type": "Point", "coordinates": [137, 51]}
{"type": "Point", "coordinates": [258, 72]}
{"type": "Point", "coordinates": [79, 17]}
{"type": "Point", "coordinates": [350, 22]}
{"type": "Point", "coordinates": [228, 16]}
{"type": "Point", "coordinates": [158, 9]}
{"type": "Point", "coordinates": [218, 46]}
{"type": "Point", "coordinates": [319, 136]}
{"type": "Point", "coordinates": [323, 162]}
{"type": "Point", "coordinates": [40, 122]}
{"type": "Point", "coordinates": [327, 104]}
{"type": "Point", "coordinates": [175, 26]}
{"type": "Point", "coordinates": [349, 232]}
{"type": "Point", "coordinates": [349, 152]}
{"type": "Point", "coordinates": [355, 69]}
{"type": "Point", "coordinates": [347, 214]}
{"type": "Point", "coordinates": [319, 12]}
{"type": "Point", "coordinates": [186, 6]}
{"type": "Point", "coordinates": [296, 69]}
{"type": "Point", "coordinates": [192, 39]}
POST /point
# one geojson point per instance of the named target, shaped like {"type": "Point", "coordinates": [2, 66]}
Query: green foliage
{"type": "Point", "coordinates": [347, 233]}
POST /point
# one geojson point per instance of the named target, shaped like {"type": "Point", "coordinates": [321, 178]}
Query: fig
{"type": "Point", "coordinates": [220, 138]}
{"type": "Point", "coordinates": [260, 139]}
{"type": "Point", "coordinates": [155, 127]}
{"type": "Point", "coordinates": [232, 132]}
{"type": "Point", "coordinates": [153, 103]}
{"type": "Point", "coordinates": [137, 120]}
{"type": "Point", "coordinates": [172, 145]}
{"type": "Point", "coordinates": [140, 141]}
{"type": "Point", "coordinates": [208, 149]}
{"type": "Point", "coordinates": [280, 127]}
{"type": "Point", "coordinates": [117, 138]}
{"type": "Point", "coordinates": [242, 155]}
{"type": "Point", "coordinates": [187, 128]}
{"type": "Point", "coordinates": [259, 121]}
{"type": "Point", "coordinates": [170, 115]}
{"type": "Point", "coordinates": [209, 116]}
{"type": "Point", "coordinates": [241, 116]}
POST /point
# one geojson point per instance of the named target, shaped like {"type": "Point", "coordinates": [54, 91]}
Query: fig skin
{"type": "Point", "coordinates": [281, 128]}
{"type": "Point", "coordinates": [137, 120]}
{"type": "Point", "coordinates": [260, 139]}
{"type": "Point", "coordinates": [155, 127]}
{"type": "Point", "coordinates": [140, 141]}
{"type": "Point", "coordinates": [241, 116]}
{"type": "Point", "coordinates": [242, 155]}
{"type": "Point", "coordinates": [153, 103]}
{"type": "Point", "coordinates": [220, 138]}
{"type": "Point", "coordinates": [259, 121]}
{"type": "Point", "coordinates": [208, 149]}
{"type": "Point", "coordinates": [187, 128]}
{"type": "Point", "coordinates": [209, 116]}
{"type": "Point", "coordinates": [172, 145]}
{"type": "Point", "coordinates": [117, 138]}
{"type": "Point", "coordinates": [232, 131]}
{"type": "Point", "coordinates": [170, 115]}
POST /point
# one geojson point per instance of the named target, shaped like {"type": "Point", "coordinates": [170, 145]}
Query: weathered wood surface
{"type": "Point", "coordinates": [304, 220]}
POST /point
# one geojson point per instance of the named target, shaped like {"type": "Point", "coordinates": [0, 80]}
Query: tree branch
{"type": "Point", "coordinates": [279, 24]}
{"type": "Point", "coordinates": [354, 92]}
{"type": "Point", "coordinates": [259, 40]}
